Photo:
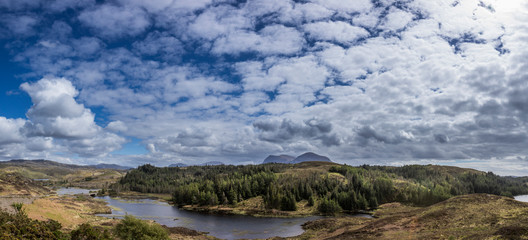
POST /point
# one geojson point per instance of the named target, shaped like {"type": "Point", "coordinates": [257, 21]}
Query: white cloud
{"type": "Point", "coordinates": [219, 21]}
{"type": "Point", "coordinates": [299, 13]}
{"type": "Point", "coordinates": [434, 80]}
{"type": "Point", "coordinates": [152, 5]}
{"type": "Point", "coordinates": [274, 39]}
{"type": "Point", "coordinates": [113, 21]}
{"type": "Point", "coordinates": [349, 6]}
{"type": "Point", "coordinates": [56, 114]}
{"type": "Point", "coordinates": [10, 130]}
{"type": "Point", "coordinates": [160, 44]}
{"type": "Point", "coordinates": [341, 32]}
{"type": "Point", "coordinates": [117, 126]}
{"type": "Point", "coordinates": [20, 25]}
{"type": "Point", "coordinates": [62, 5]}
{"type": "Point", "coordinates": [396, 19]}
{"type": "Point", "coordinates": [20, 5]}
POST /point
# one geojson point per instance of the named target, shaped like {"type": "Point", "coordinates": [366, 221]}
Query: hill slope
{"type": "Point", "coordinates": [474, 216]}
{"type": "Point", "coordinates": [313, 187]}
{"type": "Point", "coordinates": [16, 184]}
{"type": "Point", "coordinates": [60, 173]}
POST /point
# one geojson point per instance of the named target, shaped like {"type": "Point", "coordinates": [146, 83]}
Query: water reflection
{"type": "Point", "coordinates": [522, 198]}
{"type": "Point", "coordinates": [221, 226]}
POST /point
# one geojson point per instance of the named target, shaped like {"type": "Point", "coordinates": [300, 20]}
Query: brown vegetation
{"type": "Point", "coordinates": [474, 216]}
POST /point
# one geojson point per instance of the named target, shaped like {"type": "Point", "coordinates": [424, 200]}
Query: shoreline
{"type": "Point", "coordinates": [230, 210]}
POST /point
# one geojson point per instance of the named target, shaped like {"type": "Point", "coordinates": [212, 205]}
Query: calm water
{"type": "Point", "coordinates": [221, 226]}
{"type": "Point", "coordinates": [522, 198]}
{"type": "Point", "coordinates": [72, 191]}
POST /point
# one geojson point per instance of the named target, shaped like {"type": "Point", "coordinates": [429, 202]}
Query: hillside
{"type": "Point", "coordinates": [16, 184]}
{"type": "Point", "coordinates": [474, 216]}
{"type": "Point", "coordinates": [312, 187]}
{"type": "Point", "coordinates": [54, 173]}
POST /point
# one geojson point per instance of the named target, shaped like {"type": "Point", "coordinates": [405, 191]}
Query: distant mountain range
{"type": "Point", "coordinates": [178, 165]}
{"type": "Point", "coordinates": [305, 157]}
{"type": "Point", "coordinates": [109, 166]}
{"type": "Point", "coordinates": [211, 163]}
{"type": "Point", "coordinates": [48, 163]}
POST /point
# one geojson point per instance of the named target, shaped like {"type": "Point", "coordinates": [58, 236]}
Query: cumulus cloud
{"type": "Point", "coordinates": [286, 131]}
{"type": "Point", "coordinates": [10, 130]}
{"type": "Point", "coordinates": [55, 114]}
{"type": "Point", "coordinates": [20, 25]}
{"type": "Point", "coordinates": [62, 5]}
{"type": "Point", "coordinates": [372, 81]}
{"type": "Point", "coordinates": [348, 6]}
{"type": "Point", "coordinates": [274, 39]}
{"type": "Point", "coordinates": [114, 21]}
{"type": "Point", "coordinates": [396, 19]}
{"type": "Point", "coordinates": [340, 32]}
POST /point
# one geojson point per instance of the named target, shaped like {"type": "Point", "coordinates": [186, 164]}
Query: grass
{"type": "Point", "coordinates": [70, 211]}
{"type": "Point", "coordinates": [474, 216]}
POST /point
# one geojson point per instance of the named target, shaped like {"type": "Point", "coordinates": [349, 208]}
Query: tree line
{"type": "Point", "coordinates": [332, 189]}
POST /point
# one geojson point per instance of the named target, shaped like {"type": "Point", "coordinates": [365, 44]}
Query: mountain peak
{"type": "Point", "coordinates": [305, 157]}
{"type": "Point", "coordinates": [311, 157]}
{"type": "Point", "coordinates": [278, 159]}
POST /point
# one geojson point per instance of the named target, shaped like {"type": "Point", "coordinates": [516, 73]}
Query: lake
{"type": "Point", "coordinates": [521, 198]}
{"type": "Point", "coordinates": [220, 226]}
{"type": "Point", "coordinates": [73, 190]}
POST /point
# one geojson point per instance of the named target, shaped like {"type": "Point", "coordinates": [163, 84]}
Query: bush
{"type": "Point", "coordinates": [86, 232]}
{"type": "Point", "coordinates": [19, 226]}
{"type": "Point", "coordinates": [18, 207]}
{"type": "Point", "coordinates": [132, 228]}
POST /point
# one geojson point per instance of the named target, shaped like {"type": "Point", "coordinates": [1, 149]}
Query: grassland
{"type": "Point", "coordinates": [474, 216]}
{"type": "Point", "coordinates": [69, 211]}
{"type": "Point", "coordinates": [58, 174]}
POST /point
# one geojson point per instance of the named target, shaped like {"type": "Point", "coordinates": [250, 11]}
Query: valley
{"type": "Point", "coordinates": [411, 202]}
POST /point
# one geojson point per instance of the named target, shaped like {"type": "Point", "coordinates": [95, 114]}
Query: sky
{"type": "Point", "coordinates": [180, 81]}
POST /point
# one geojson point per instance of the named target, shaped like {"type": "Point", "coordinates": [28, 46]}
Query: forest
{"type": "Point", "coordinates": [331, 188]}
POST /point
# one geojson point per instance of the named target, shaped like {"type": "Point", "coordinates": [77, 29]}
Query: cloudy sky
{"type": "Point", "coordinates": [360, 81]}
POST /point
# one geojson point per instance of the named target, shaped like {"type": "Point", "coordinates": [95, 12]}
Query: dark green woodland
{"type": "Point", "coordinates": [331, 187]}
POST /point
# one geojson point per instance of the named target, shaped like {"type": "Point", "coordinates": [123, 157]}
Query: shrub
{"type": "Point", "coordinates": [87, 232]}
{"type": "Point", "coordinates": [18, 207]}
{"type": "Point", "coordinates": [132, 228]}
{"type": "Point", "coordinates": [19, 226]}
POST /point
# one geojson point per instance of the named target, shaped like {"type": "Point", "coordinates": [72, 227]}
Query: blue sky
{"type": "Point", "coordinates": [361, 81]}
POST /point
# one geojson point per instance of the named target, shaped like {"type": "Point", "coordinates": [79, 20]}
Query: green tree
{"type": "Point", "coordinates": [132, 228]}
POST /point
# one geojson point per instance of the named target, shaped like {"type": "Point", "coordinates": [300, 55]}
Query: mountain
{"type": "Point", "coordinates": [109, 166]}
{"type": "Point", "coordinates": [212, 163]}
{"type": "Point", "coordinates": [178, 165]}
{"type": "Point", "coordinates": [305, 157]}
{"type": "Point", "coordinates": [310, 157]}
{"type": "Point", "coordinates": [38, 163]}
{"type": "Point", "coordinates": [278, 159]}
{"type": "Point", "coordinates": [95, 176]}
